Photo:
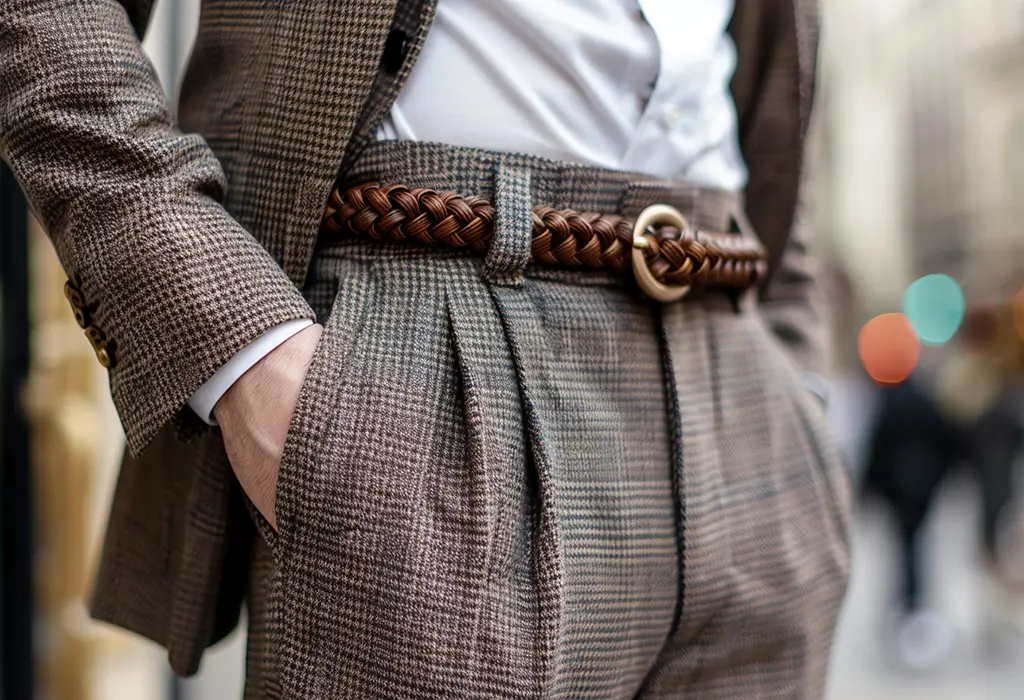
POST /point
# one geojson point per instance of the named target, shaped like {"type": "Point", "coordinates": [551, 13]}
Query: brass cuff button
{"type": "Point", "coordinates": [73, 295]}
{"type": "Point", "coordinates": [104, 358]}
{"type": "Point", "coordinates": [96, 337]}
{"type": "Point", "coordinates": [101, 345]}
{"type": "Point", "coordinates": [82, 318]}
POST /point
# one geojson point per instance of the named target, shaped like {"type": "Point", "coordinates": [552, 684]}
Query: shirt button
{"type": "Point", "coordinates": [672, 116]}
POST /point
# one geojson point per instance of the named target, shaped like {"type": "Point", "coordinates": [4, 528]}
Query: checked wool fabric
{"type": "Point", "coordinates": [488, 464]}
{"type": "Point", "coordinates": [533, 483]}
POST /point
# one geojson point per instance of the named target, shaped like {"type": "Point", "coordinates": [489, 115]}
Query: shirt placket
{"type": "Point", "coordinates": [672, 110]}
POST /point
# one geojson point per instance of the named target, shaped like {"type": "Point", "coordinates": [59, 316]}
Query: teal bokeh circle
{"type": "Point", "coordinates": [934, 305]}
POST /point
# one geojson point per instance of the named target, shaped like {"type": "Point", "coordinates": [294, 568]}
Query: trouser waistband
{"type": "Point", "coordinates": [518, 209]}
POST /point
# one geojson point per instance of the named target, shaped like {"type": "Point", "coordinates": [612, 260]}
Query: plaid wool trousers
{"type": "Point", "coordinates": [526, 483]}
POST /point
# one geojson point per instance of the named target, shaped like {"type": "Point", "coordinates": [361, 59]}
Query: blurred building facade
{"type": "Point", "coordinates": [918, 168]}
{"type": "Point", "coordinates": [920, 163]}
{"type": "Point", "coordinates": [994, 103]}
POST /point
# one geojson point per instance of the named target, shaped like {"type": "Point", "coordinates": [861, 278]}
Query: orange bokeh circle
{"type": "Point", "coordinates": [889, 348]}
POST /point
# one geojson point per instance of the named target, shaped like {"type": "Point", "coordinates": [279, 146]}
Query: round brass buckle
{"type": "Point", "coordinates": [655, 214]}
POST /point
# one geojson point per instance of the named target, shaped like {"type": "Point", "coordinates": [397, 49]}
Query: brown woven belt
{"type": "Point", "coordinates": [667, 256]}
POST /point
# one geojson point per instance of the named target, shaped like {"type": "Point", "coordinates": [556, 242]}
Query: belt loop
{"type": "Point", "coordinates": [509, 253]}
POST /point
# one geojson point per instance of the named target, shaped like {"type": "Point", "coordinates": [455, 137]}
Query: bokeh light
{"type": "Point", "coordinates": [934, 305]}
{"type": "Point", "coordinates": [889, 348]}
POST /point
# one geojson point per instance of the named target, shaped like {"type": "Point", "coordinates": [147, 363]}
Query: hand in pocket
{"type": "Point", "coordinates": [255, 413]}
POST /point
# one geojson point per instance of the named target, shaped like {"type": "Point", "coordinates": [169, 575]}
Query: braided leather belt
{"type": "Point", "coordinates": [667, 256]}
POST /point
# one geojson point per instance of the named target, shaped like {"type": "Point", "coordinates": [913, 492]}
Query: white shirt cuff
{"type": "Point", "coordinates": [207, 396]}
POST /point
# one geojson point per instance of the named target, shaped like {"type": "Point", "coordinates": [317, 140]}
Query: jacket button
{"type": "Point", "coordinates": [96, 337]}
{"type": "Point", "coordinates": [73, 296]}
{"type": "Point", "coordinates": [104, 358]}
{"type": "Point", "coordinates": [396, 47]}
{"type": "Point", "coordinates": [82, 318]}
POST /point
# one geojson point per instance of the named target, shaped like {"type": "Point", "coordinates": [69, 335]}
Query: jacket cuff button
{"type": "Point", "coordinates": [104, 358]}
{"type": "Point", "coordinates": [95, 336]}
{"type": "Point", "coordinates": [81, 318]}
{"type": "Point", "coordinates": [73, 296]}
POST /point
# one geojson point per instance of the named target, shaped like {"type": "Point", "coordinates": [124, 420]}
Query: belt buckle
{"type": "Point", "coordinates": [655, 214]}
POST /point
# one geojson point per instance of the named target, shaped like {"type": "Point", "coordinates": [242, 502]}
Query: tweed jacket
{"type": "Point", "coordinates": [186, 238]}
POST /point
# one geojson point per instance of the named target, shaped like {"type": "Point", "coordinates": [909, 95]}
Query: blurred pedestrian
{"type": "Point", "coordinates": [913, 447]}
{"type": "Point", "coordinates": [981, 386]}
{"type": "Point", "coordinates": [966, 413]}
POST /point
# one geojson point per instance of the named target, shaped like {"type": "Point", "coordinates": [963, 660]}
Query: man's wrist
{"type": "Point", "coordinates": [211, 392]}
{"type": "Point", "coordinates": [283, 367]}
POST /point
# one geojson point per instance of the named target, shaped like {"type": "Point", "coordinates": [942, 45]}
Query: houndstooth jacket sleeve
{"type": "Point", "coordinates": [774, 89]}
{"type": "Point", "coordinates": [161, 276]}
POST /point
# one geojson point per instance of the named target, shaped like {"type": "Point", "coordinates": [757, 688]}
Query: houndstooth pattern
{"type": "Point", "coordinates": [509, 250]}
{"type": "Point", "coordinates": [185, 269]}
{"type": "Point", "coordinates": [413, 19]}
{"type": "Point", "coordinates": [138, 211]}
{"type": "Point", "coordinates": [470, 171]}
{"type": "Point", "coordinates": [136, 220]}
{"type": "Point", "coordinates": [774, 97]}
{"type": "Point", "coordinates": [551, 488]}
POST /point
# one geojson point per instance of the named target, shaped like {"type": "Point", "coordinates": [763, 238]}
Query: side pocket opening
{"type": "Point", "coordinates": [320, 394]}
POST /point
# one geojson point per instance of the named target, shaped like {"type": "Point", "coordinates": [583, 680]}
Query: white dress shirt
{"type": "Point", "coordinates": [638, 85]}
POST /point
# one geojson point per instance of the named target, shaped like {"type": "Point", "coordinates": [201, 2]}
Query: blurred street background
{"type": "Point", "coordinates": [916, 175]}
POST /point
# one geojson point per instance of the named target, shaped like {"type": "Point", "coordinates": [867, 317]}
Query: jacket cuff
{"type": "Point", "coordinates": [171, 298]}
{"type": "Point", "coordinates": [205, 399]}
